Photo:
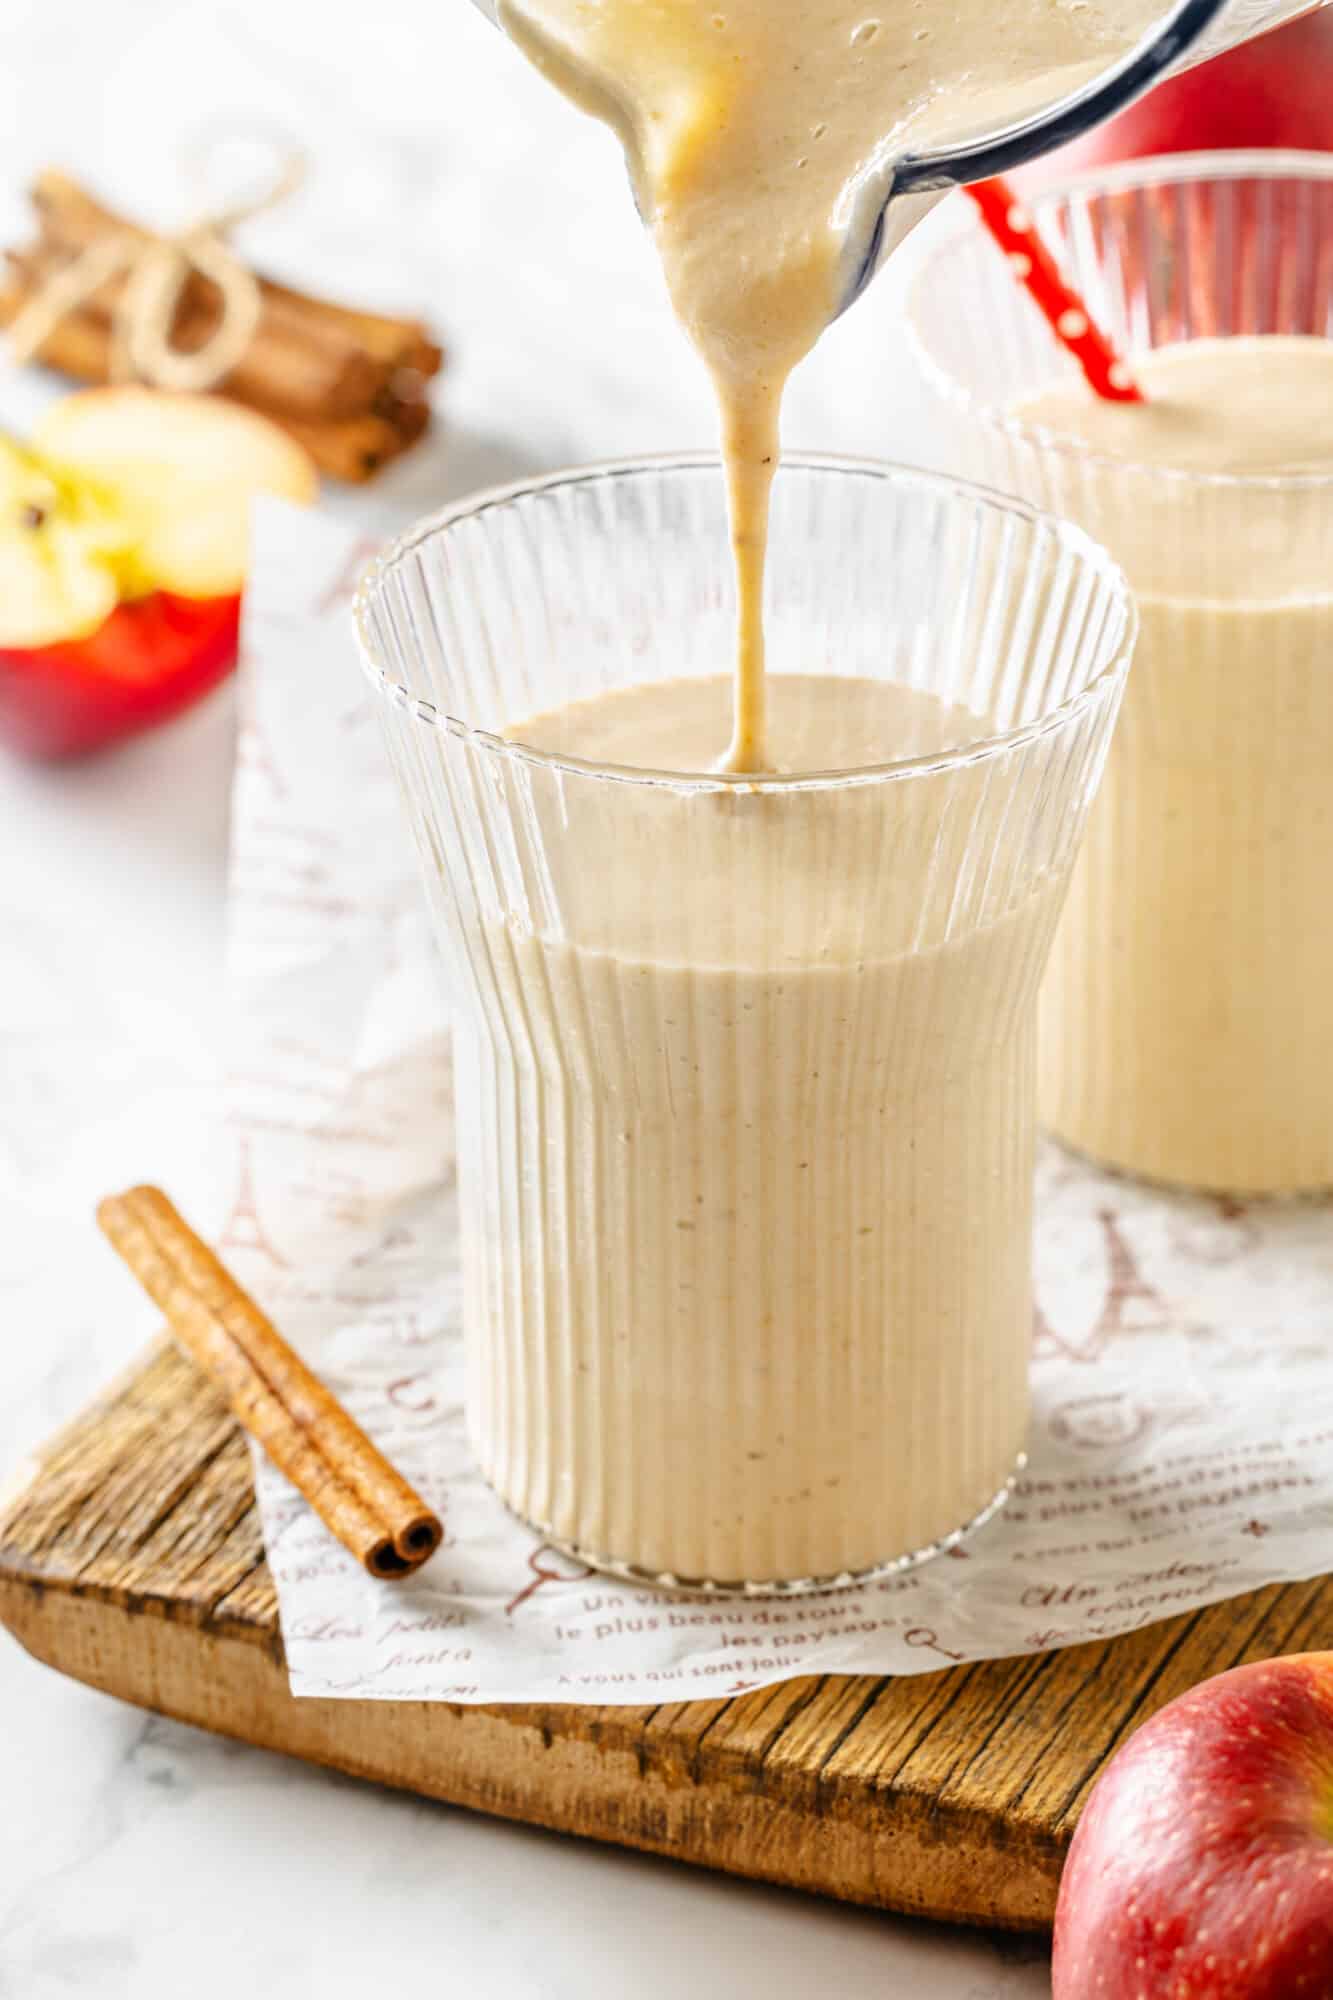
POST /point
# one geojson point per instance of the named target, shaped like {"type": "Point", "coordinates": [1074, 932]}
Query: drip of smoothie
{"type": "Point", "coordinates": [761, 137]}
{"type": "Point", "coordinates": [1188, 1012]}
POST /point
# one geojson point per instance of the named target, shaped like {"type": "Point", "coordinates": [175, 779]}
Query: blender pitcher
{"type": "Point", "coordinates": [1190, 32]}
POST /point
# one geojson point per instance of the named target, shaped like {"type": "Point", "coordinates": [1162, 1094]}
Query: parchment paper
{"type": "Point", "coordinates": [1182, 1442]}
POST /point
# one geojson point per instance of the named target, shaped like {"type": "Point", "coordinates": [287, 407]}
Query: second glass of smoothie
{"type": "Point", "coordinates": [1187, 1021]}
{"type": "Point", "coordinates": [744, 1066]}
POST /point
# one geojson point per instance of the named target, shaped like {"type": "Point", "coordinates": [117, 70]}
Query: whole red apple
{"type": "Point", "coordinates": [1202, 1868]}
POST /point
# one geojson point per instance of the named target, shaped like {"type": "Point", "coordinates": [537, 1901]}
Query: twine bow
{"type": "Point", "coordinates": [157, 269]}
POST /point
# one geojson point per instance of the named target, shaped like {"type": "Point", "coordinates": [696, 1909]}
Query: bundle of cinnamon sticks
{"type": "Point", "coordinates": [349, 385]}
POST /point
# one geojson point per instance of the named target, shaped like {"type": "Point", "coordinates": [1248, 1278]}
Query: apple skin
{"type": "Point", "coordinates": [146, 662]}
{"type": "Point", "coordinates": [124, 539]}
{"type": "Point", "coordinates": [1274, 91]}
{"type": "Point", "coordinates": [1203, 1864]}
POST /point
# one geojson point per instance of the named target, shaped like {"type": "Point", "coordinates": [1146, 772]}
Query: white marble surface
{"type": "Point", "coordinates": [138, 1857]}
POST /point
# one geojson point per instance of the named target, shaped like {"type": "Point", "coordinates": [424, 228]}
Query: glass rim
{"type": "Point", "coordinates": [1224, 164]}
{"type": "Point", "coordinates": [982, 749]}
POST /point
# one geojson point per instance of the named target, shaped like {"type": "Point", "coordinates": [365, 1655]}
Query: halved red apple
{"type": "Point", "coordinates": [124, 540]}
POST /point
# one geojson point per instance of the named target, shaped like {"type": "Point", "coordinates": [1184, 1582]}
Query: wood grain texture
{"type": "Point", "coordinates": [131, 1558]}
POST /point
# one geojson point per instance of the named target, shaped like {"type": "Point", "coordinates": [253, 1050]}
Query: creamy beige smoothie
{"type": "Point", "coordinates": [1187, 1024]}
{"type": "Point", "coordinates": [761, 137]}
{"type": "Point", "coordinates": [783, 1126]}
{"type": "Point", "coordinates": [747, 1236]}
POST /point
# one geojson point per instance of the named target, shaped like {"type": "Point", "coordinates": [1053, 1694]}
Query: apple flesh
{"type": "Point", "coordinates": [124, 535]}
{"type": "Point", "coordinates": [1203, 1863]}
{"type": "Point", "coordinates": [65, 557]}
{"type": "Point", "coordinates": [181, 473]}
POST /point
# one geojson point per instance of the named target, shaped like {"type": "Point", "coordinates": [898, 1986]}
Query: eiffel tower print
{"type": "Point", "coordinates": [1131, 1304]}
{"type": "Point", "coordinates": [243, 1229]}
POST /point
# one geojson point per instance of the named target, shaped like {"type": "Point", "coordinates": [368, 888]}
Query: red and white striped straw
{"type": "Point", "coordinates": [1010, 223]}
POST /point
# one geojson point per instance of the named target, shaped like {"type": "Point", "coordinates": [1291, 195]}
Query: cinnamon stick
{"type": "Point", "coordinates": [72, 218]}
{"type": "Point", "coordinates": [303, 1428]}
{"type": "Point", "coordinates": [80, 346]}
{"type": "Point", "coordinates": [309, 370]}
{"type": "Point", "coordinates": [349, 385]}
{"type": "Point", "coordinates": [352, 448]}
{"type": "Point", "coordinates": [356, 448]}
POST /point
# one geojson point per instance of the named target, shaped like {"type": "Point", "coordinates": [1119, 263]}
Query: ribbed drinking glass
{"type": "Point", "coordinates": [744, 1066]}
{"type": "Point", "coordinates": [1187, 1020]}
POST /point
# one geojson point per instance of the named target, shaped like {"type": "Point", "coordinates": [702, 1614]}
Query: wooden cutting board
{"type": "Point", "coordinates": [132, 1559]}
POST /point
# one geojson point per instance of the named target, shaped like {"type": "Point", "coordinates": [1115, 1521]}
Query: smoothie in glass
{"type": "Point", "coordinates": [1188, 1025]}
{"type": "Point", "coordinates": [1187, 1021]}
